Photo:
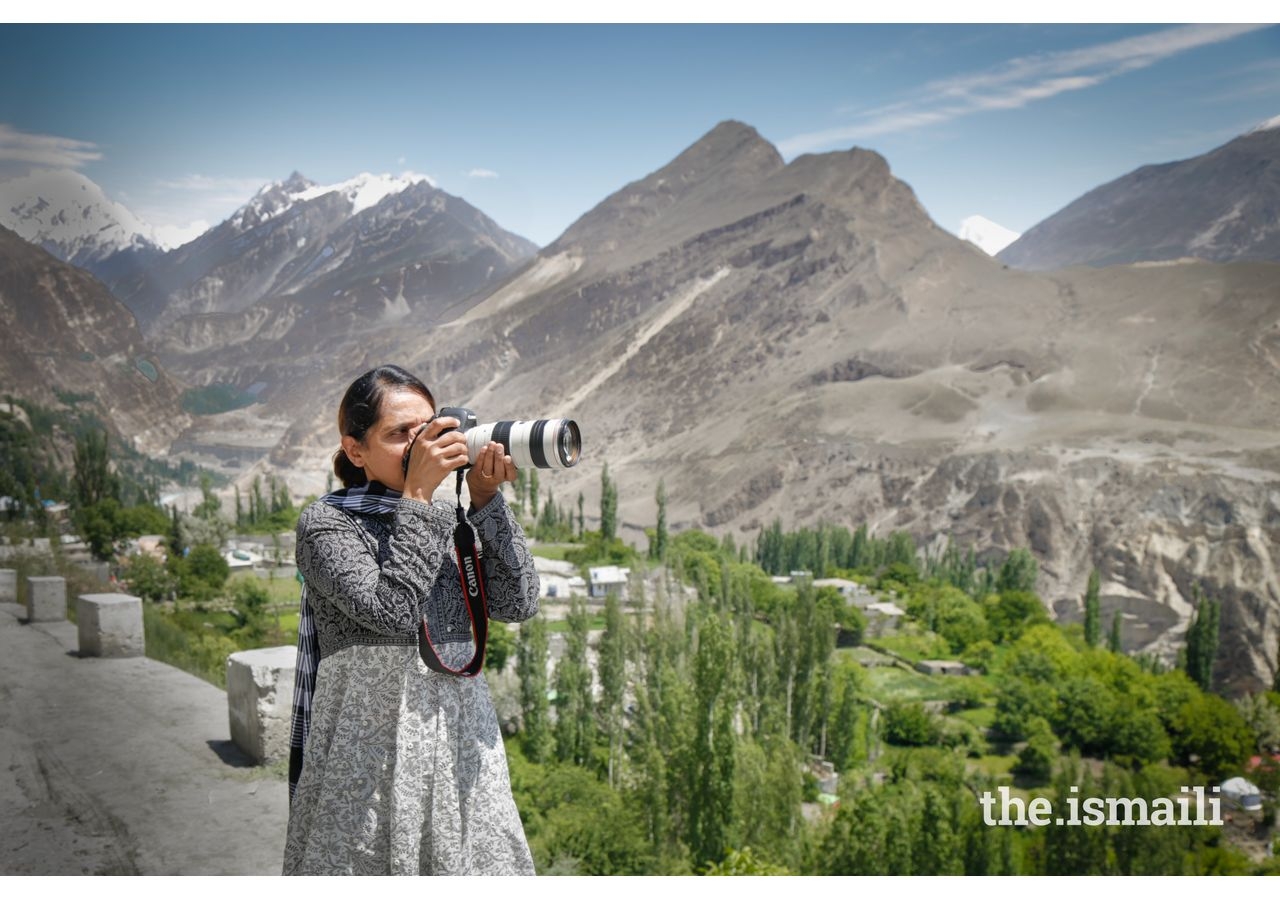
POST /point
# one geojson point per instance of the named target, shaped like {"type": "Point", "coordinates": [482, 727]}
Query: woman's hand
{"type": "Point", "coordinates": [432, 456]}
{"type": "Point", "coordinates": [492, 468]}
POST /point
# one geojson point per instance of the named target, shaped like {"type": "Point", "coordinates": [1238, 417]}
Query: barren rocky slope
{"type": "Point", "coordinates": [1221, 206]}
{"type": "Point", "coordinates": [62, 330]}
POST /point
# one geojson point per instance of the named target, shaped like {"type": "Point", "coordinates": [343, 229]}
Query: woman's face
{"type": "Point", "coordinates": [381, 452]}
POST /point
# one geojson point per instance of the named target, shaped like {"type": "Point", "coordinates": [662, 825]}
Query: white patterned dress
{"type": "Point", "coordinates": [404, 770]}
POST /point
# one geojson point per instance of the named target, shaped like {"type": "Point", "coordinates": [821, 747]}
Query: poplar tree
{"type": "Point", "coordinates": [1113, 640]}
{"type": "Point", "coordinates": [711, 797]}
{"type": "Point", "coordinates": [1202, 641]}
{"type": "Point", "coordinates": [613, 674]}
{"type": "Point", "coordinates": [531, 668]}
{"type": "Point", "coordinates": [608, 506]}
{"type": "Point", "coordinates": [574, 720]}
{"type": "Point", "coordinates": [1275, 685]}
{"type": "Point", "coordinates": [1092, 612]}
{"type": "Point", "coordinates": [93, 479]}
{"type": "Point", "coordinates": [658, 550]}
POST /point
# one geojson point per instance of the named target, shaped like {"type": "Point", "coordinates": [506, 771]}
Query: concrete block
{"type": "Point", "coordinates": [260, 701]}
{"type": "Point", "coordinates": [110, 625]}
{"type": "Point", "coordinates": [8, 585]}
{"type": "Point", "coordinates": [46, 598]}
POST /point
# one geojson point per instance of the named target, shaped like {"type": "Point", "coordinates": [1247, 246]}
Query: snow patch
{"type": "Point", "coordinates": [365, 191]}
{"type": "Point", "coordinates": [988, 236]}
{"type": "Point", "coordinates": [1268, 125]}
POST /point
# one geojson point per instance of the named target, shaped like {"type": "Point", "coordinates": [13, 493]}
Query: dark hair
{"type": "Point", "coordinates": [360, 408]}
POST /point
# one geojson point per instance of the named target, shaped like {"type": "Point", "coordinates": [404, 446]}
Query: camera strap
{"type": "Point", "coordinates": [472, 577]}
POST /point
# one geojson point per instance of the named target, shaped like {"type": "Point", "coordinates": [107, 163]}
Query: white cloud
{"type": "Point", "coordinates": [482, 173]}
{"type": "Point", "coordinates": [207, 184]}
{"type": "Point", "coordinates": [1016, 83]}
{"type": "Point", "coordinates": [45, 150]}
{"type": "Point", "coordinates": [171, 236]}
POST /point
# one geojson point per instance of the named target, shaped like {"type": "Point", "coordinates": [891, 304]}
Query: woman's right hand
{"type": "Point", "coordinates": [432, 456]}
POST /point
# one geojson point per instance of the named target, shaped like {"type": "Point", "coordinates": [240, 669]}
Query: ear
{"type": "Point", "coordinates": [354, 451]}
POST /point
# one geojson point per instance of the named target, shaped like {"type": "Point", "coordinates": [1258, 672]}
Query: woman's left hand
{"type": "Point", "coordinates": [491, 469]}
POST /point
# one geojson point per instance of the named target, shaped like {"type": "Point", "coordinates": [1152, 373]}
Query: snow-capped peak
{"type": "Point", "coordinates": [365, 190]}
{"type": "Point", "coordinates": [67, 214]}
{"type": "Point", "coordinates": [987, 235]}
{"type": "Point", "coordinates": [362, 192]}
{"type": "Point", "coordinates": [1268, 125]}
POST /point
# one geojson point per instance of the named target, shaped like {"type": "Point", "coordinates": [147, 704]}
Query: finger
{"type": "Point", "coordinates": [439, 424]}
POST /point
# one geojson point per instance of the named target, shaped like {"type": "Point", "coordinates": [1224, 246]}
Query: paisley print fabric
{"type": "Point", "coordinates": [404, 770]}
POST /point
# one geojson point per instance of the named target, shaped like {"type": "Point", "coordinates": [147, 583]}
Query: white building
{"type": "Point", "coordinates": [606, 580]}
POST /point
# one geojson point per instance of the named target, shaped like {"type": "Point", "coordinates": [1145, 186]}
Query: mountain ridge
{"type": "Point", "coordinates": [1219, 206]}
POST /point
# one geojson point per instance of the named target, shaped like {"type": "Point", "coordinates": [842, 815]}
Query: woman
{"type": "Point", "coordinates": [404, 770]}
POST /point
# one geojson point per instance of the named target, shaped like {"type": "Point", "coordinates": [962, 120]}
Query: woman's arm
{"type": "Point", "coordinates": [511, 582]}
{"type": "Point", "coordinates": [340, 569]}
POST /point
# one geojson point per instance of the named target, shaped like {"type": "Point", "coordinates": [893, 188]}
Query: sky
{"type": "Point", "coordinates": [536, 124]}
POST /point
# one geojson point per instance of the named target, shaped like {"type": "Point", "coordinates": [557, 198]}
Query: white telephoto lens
{"type": "Point", "coordinates": [540, 443]}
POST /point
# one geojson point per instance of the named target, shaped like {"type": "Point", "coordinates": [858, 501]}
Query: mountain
{"type": "Point", "coordinates": [68, 215]}
{"type": "Point", "coordinates": [371, 241]}
{"type": "Point", "coordinates": [1222, 206]}
{"type": "Point", "coordinates": [62, 332]}
{"type": "Point", "coordinates": [800, 341]}
{"type": "Point", "coordinates": [990, 237]}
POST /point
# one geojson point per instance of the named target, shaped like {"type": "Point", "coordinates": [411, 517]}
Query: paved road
{"type": "Point", "coordinates": [123, 766]}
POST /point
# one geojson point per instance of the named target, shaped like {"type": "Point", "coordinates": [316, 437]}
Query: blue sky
{"type": "Point", "coordinates": [536, 124]}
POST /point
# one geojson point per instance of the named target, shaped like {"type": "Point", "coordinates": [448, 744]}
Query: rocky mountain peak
{"type": "Point", "coordinates": [296, 183]}
{"type": "Point", "coordinates": [729, 160]}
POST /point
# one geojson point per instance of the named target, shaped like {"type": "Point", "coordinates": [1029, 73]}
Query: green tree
{"type": "Point", "coordinates": [1092, 612]}
{"type": "Point", "coordinates": [909, 725]}
{"type": "Point", "coordinates": [1209, 732]}
{"type": "Point", "coordinates": [608, 506]}
{"type": "Point", "coordinates": [147, 577]}
{"type": "Point", "coordinates": [500, 646]}
{"type": "Point", "coordinates": [574, 729]}
{"type": "Point", "coordinates": [1113, 638]}
{"type": "Point", "coordinates": [658, 549]}
{"type": "Point", "coordinates": [711, 794]}
{"type": "Point", "coordinates": [1202, 641]}
{"type": "Point", "coordinates": [1036, 758]}
{"type": "Point", "coordinates": [204, 572]}
{"type": "Point", "coordinates": [249, 602]}
{"type": "Point", "coordinates": [1018, 572]}
{"type": "Point", "coordinates": [1011, 613]}
{"type": "Point", "coordinates": [612, 652]}
{"type": "Point", "coordinates": [535, 709]}
{"type": "Point", "coordinates": [209, 505]}
{"type": "Point", "coordinates": [93, 481]}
